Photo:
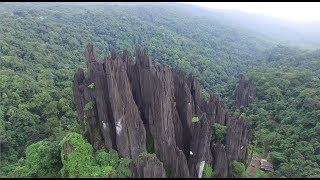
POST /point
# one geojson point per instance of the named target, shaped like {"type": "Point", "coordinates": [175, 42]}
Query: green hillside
{"type": "Point", "coordinates": [42, 45]}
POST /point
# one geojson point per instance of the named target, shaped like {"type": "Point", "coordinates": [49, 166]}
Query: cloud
{"type": "Point", "coordinates": [293, 11]}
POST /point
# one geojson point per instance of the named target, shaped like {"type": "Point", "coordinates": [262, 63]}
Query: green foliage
{"type": "Point", "coordinates": [219, 131]}
{"type": "Point", "coordinates": [89, 106]}
{"type": "Point", "coordinates": [260, 174]}
{"type": "Point", "coordinates": [107, 158]}
{"type": "Point", "coordinates": [168, 172]}
{"type": "Point", "coordinates": [276, 158]}
{"type": "Point", "coordinates": [123, 170]}
{"type": "Point", "coordinates": [194, 119]}
{"type": "Point", "coordinates": [77, 156]}
{"type": "Point", "coordinates": [41, 48]}
{"type": "Point", "coordinates": [2, 129]}
{"type": "Point", "coordinates": [239, 169]}
{"type": "Point", "coordinates": [147, 155]}
{"type": "Point", "coordinates": [42, 159]}
{"type": "Point", "coordinates": [20, 172]}
{"type": "Point", "coordinates": [110, 172]}
{"type": "Point", "coordinates": [287, 110]}
{"type": "Point", "coordinates": [208, 171]}
{"type": "Point", "coordinates": [205, 95]}
{"type": "Point", "coordinates": [150, 145]}
{"type": "Point", "coordinates": [79, 160]}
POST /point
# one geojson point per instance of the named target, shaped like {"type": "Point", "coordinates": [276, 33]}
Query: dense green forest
{"type": "Point", "coordinates": [42, 45]}
{"type": "Point", "coordinates": [286, 115]}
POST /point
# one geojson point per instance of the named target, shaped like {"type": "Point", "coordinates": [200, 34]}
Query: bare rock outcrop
{"type": "Point", "coordinates": [245, 92]}
{"type": "Point", "coordinates": [148, 167]}
{"type": "Point", "coordinates": [130, 106]}
{"type": "Point", "coordinates": [220, 161]}
{"type": "Point", "coordinates": [237, 139]}
{"type": "Point", "coordinates": [201, 135]}
{"type": "Point", "coordinates": [111, 106]}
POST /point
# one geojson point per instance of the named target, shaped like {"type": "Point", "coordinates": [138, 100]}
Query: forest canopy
{"type": "Point", "coordinates": [42, 45]}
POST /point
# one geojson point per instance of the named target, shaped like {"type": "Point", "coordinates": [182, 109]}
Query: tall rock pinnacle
{"type": "Point", "coordinates": [130, 106]}
{"type": "Point", "coordinates": [245, 92]}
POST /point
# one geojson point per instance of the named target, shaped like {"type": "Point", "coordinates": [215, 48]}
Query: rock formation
{"type": "Point", "coordinates": [134, 107]}
{"type": "Point", "coordinates": [245, 92]}
{"type": "Point", "coordinates": [148, 167]}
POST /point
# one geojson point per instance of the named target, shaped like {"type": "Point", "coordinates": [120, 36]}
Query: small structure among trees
{"type": "Point", "coordinates": [265, 165]}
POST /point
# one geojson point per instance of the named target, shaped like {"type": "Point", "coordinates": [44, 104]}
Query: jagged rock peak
{"type": "Point", "coordinates": [245, 92]}
{"type": "Point", "coordinates": [130, 106]}
{"type": "Point", "coordinates": [143, 58]}
{"type": "Point", "coordinates": [90, 57]}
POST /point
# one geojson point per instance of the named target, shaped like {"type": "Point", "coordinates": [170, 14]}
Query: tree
{"type": "Point", "coordinates": [77, 156]}
{"type": "Point", "coordinates": [207, 171]}
{"type": "Point", "coordinates": [238, 169]}
{"type": "Point", "coordinates": [79, 160]}
{"type": "Point", "coordinates": [219, 131]}
{"type": "Point", "coordinates": [42, 159]}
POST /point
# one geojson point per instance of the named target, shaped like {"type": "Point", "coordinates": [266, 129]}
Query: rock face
{"type": "Point", "coordinates": [130, 106]}
{"type": "Point", "coordinates": [220, 161]}
{"type": "Point", "coordinates": [245, 92]}
{"type": "Point", "coordinates": [148, 167]}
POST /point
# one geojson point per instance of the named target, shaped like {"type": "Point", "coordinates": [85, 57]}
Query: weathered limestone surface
{"type": "Point", "coordinates": [220, 162]}
{"type": "Point", "coordinates": [236, 139]}
{"type": "Point", "coordinates": [148, 167]}
{"type": "Point", "coordinates": [201, 135]}
{"type": "Point", "coordinates": [139, 105]}
{"type": "Point", "coordinates": [245, 92]}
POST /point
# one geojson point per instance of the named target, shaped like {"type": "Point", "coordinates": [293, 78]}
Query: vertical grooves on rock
{"type": "Point", "coordinates": [111, 121]}
{"type": "Point", "coordinates": [154, 105]}
{"type": "Point", "coordinates": [245, 92]}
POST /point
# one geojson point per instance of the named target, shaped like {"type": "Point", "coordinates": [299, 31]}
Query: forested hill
{"type": "Point", "coordinates": [286, 116]}
{"type": "Point", "coordinates": [42, 44]}
{"type": "Point", "coordinates": [177, 35]}
{"type": "Point", "coordinates": [302, 34]}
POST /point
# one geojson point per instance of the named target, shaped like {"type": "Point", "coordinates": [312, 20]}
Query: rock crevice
{"type": "Point", "coordinates": [124, 105]}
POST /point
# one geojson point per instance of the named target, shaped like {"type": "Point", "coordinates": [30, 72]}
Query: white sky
{"type": "Point", "coordinates": [293, 11]}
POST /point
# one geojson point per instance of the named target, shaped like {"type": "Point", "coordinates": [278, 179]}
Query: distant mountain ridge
{"type": "Point", "coordinates": [301, 34]}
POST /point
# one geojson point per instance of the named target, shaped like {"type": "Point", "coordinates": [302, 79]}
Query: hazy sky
{"type": "Point", "coordinates": [293, 11]}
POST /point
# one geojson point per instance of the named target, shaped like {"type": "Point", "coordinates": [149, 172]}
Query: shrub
{"type": "Point", "coordinates": [123, 170]}
{"type": "Point", "coordinates": [110, 171]}
{"type": "Point", "coordinates": [168, 172]}
{"type": "Point", "coordinates": [79, 160]}
{"type": "Point", "coordinates": [89, 106]}
{"type": "Point", "coordinates": [195, 119]}
{"type": "Point", "coordinates": [238, 169]}
{"type": "Point", "coordinates": [219, 131]}
{"type": "Point", "coordinates": [146, 154]}
{"type": "Point", "coordinates": [42, 158]}
{"type": "Point", "coordinates": [20, 171]}
{"type": "Point", "coordinates": [260, 174]}
{"type": "Point", "coordinates": [208, 171]}
{"type": "Point", "coordinates": [276, 158]}
{"type": "Point", "coordinates": [150, 145]}
{"type": "Point", "coordinates": [104, 158]}
{"type": "Point", "coordinates": [76, 156]}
